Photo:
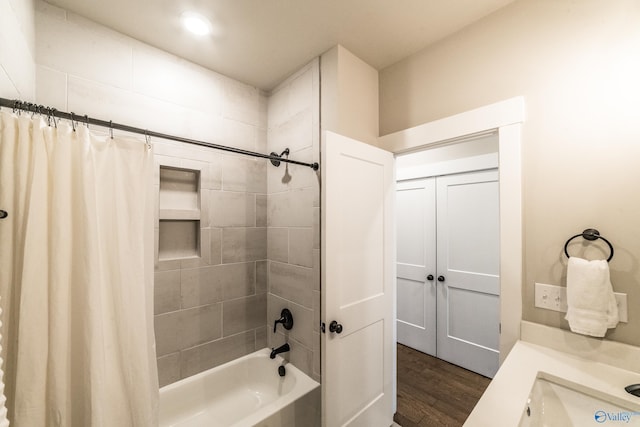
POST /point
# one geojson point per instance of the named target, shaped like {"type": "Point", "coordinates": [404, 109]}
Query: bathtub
{"type": "Point", "coordinates": [244, 392]}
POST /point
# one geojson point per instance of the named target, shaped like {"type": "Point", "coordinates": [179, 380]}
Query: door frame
{"type": "Point", "coordinates": [505, 117]}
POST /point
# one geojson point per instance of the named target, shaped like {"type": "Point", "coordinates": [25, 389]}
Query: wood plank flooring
{"type": "Point", "coordinates": [432, 392]}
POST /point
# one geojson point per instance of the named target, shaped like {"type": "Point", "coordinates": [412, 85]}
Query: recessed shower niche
{"type": "Point", "coordinates": [179, 213]}
{"type": "Point", "coordinates": [179, 189]}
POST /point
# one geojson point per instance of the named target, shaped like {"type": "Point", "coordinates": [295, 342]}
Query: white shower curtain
{"type": "Point", "coordinates": [76, 276]}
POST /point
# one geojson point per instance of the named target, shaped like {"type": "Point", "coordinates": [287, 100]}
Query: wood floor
{"type": "Point", "coordinates": [432, 392]}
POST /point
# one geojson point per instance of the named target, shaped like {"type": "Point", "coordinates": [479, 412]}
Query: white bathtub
{"type": "Point", "coordinates": [244, 392]}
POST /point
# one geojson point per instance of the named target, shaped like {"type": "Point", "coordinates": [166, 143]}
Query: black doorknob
{"type": "Point", "coordinates": [335, 327]}
{"type": "Point", "coordinates": [430, 277]}
{"type": "Point", "coordinates": [3, 214]}
{"type": "Point", "coordinates": [440, 278]}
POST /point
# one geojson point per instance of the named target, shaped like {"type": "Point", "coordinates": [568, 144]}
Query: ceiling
{"type": "Point", "coordinates": [261, 42]}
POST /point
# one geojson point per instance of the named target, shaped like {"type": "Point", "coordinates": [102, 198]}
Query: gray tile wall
{"type": "Point", "coordinates": [293, 218]}
{"type": "Point", "coordinates": [212, 308]}
{"type": "Point", "coordinates": [255, 223]}
{"type": "Point", "coordinates": [260, 248]}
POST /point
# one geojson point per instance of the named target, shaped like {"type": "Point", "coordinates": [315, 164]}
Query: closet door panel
{"type": "Point", "coordinates": [415, 225]}
{"type": "Point", "coordinates": [468, 262]}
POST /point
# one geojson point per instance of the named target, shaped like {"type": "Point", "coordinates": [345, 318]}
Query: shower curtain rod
{"type": "Point", "coordinates": [52, 112]}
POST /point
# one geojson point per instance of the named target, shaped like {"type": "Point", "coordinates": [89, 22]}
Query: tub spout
{"type": "Point", "coordinates": [282, 349]}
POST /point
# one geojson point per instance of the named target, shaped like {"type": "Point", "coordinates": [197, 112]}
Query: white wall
{"type": "Point", "coordinates": [431, 162]}
{"type": "Point", "coordinates": [88, 69]}
{"type": "Point", "coordinates": [17, 47]}
{"type": "Point", "coordinates": [577, 66]}
{"type": "Point", "coordinates": [349, 95]}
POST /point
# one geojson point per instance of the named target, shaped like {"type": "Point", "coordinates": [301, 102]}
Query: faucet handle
{"type": "Point", "coordinates": [286, 318]}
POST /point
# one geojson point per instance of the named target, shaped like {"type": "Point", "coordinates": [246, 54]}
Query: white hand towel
{"type": "Point", "coordinates": [591, 304]}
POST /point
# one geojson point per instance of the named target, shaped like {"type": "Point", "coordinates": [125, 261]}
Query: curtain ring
{"type": "Point", "coordinates": [16, 106]}
{"type": "Point", "coordinates": [53, 117]}
{"type": "Point", "coordinates": [147, 139]}
{"type": "Point", "coordinates": [86, 121]}
{"type": "Point", "coordinates": [111, 128]}
{"type": "Point", "coordinates": [73, 124]}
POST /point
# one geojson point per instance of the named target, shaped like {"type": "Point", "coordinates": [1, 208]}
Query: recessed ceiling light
{"type": "Point", "coordinates": [196, 23]}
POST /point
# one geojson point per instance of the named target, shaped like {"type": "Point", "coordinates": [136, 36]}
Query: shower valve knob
{"type": "Point", "coordinates": [286, 318]}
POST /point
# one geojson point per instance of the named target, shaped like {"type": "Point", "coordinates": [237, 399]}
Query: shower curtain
{"type": "Point", "coordinates": [76, 276]}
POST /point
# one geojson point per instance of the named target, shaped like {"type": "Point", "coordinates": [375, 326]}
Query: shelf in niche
{"type": "Point", "coordinates": [179, 214]}
{"type": "Point", "coordinates": [179, 189]}
{"type": "Point", "coordinates": [178, 239]}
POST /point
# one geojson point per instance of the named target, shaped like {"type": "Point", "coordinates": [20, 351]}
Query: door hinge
{"type": "Point", "coordinates": [499, 328]}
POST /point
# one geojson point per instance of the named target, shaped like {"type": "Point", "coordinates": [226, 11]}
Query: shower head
{"type": "Point", "coordinates": [275, 162]}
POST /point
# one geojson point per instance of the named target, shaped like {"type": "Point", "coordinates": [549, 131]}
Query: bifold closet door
{"type": "Point", "coordinates": [416, 264]}
{"type": "Point", "coordinates": [468, 255]}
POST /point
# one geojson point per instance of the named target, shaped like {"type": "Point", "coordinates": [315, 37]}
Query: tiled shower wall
{"type": "Point", "coordinates": [293, 217]}
{"type": "Point", "coordinates": [17, 50]}
{"type": "Point", "coordinates": [212, 308]}
{"type": "Point", "coordinates": [258, 225]}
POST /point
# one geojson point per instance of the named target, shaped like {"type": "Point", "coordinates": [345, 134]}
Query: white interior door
{"type": "Point", "coordinates": [416, 264]}
{"type": "Point", "coordinates": [358, 248]}
{"type": "Point", "coordinates": [468, 253]}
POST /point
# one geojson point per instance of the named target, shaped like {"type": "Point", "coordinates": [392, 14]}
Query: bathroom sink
{"type": "Point", "coordinates": [554, 401]}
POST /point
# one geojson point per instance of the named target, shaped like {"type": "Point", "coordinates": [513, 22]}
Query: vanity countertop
{"type": "Point", "coordinates": [598, 364]}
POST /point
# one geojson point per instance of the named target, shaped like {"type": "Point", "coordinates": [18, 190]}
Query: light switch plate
{"type": "Point", "coordinates": [547, 296]}
{"type": "Point", "coordinates": [621, 299]}
{"type": "Point", "coordinates": [552, 297]}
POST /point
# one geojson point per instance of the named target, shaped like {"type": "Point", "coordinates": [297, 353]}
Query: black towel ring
{"type": "Point", "coordinates": [590, 234]}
